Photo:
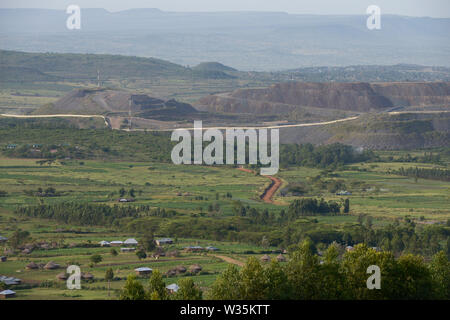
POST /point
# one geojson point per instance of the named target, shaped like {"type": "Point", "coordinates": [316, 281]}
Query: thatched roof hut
{"type": "Point", "coordinates": [51, 266]}
{"type": "Point", "coordinates": [265, 258]}
{"type": "Point", "coordinates": [195, 268]}
{"type": "Point", "coordinates": [171, 273]}
{"type": "Point", "coordinates": [173, 253]}
{"type": "Point", "coordinates": [180, 269]}
{"type": "Point", "coordinates": [32, 266]}
{"type": "Point", "coordinates": [87, 276]}
{"type": "Point", "coordinates": [62, 276]}
{"type": "Point", "coordinates": [281, 258]}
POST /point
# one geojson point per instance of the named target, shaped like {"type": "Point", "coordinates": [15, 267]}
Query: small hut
{"type": "Point", "coordinates": [171, 273]}
{"type": "Point", "coordinates": [172, 288]}
{"type": "Point", "coordinates": [51, 266]}
{"type": "Point", "coordinates": [173, 253]}
{"type": "Point", "coordinates": [143, 271]}
{"type": "Point", "coordinates": [195, 268]}
{"type": "Point", "coordinates": [32, 266]}
{"type": "Point", "coordinates": [180, 269]}
{"type": "Point", "coordinates": [87, 276]}
{"type": "Point", "coordinates": [265, 258]}
{"type": "Point", "coordinates": [62, 276]}
{"type": "Point", "coordinates": [6, 294]}
{"type": "Point", "coordinates": [281, 258]}
{"type": "Point", "coordinates": [130, 242]}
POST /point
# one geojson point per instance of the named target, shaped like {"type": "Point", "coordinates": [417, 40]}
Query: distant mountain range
{"type": "Point", "coordinates": [243, 40]}
{"type": "Point", "coordinates": [18, 66]}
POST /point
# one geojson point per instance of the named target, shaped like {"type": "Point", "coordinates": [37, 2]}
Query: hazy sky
{"type": "Point", "coordinates": [430, 8]}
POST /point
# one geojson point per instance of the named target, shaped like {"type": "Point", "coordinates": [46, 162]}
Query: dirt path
{"type": "Point", "coordinates": [229, 260]}
{"type": "Point", "coordinates": [56, 116]}
{"type": "Point", "coordinates": [271, 189]}
{"type": "Point", "coordinates": [268, 193]}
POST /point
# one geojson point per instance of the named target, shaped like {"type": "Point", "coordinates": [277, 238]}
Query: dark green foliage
{"type": "Point", "coordinates": [312, 207]}
{"type": "Point", "coordinates": [307, 276]}
{"type": "Point", "coordinates": [329, 156]}
{"type": "Point", "coordinates": [18, 238]}
{"type": "Point", "coordinates": [424, 173]}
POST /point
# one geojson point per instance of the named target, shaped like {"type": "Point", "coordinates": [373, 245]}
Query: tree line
{"type": "Point", "coordinates": [424, 173]}
{"type": "Point", "coordinates": [327, 156]}
{"type": "Point", "coordinates": [308, 276]}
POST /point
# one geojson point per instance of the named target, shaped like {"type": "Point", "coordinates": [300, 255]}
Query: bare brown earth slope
{"type": "Point", "coordinates": [284, 98]}
{"type": "Point", "coordinates": [104, 101]}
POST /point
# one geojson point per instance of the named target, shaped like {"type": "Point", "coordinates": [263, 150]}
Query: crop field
{"type": "Point", "coordinates": [379, 194]}
{"type": "Point", "coordinates": [188, 190]}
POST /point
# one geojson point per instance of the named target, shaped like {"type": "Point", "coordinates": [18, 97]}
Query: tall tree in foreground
{"type": "Point", "coordinates": [133, 289]}
{"type": "Point", "coordinates": [188, 290]}
{"type": "Point", "coordinates": [157, 287]}
{"type": "Point", "coordinates": [227, 286]}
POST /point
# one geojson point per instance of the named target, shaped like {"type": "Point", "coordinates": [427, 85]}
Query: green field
{"type": "Point", "coordinates": [191, 191]}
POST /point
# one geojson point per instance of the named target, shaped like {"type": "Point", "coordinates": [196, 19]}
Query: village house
{"type": "Point", "coordinates": [212, 249]}
{"type": "Point", "coordinates": [116, 243]}
{"type": "Point", "coordinates": [10, 280]}
{"type": "Point", "coordinates": [87, 276]}
{"type": "Point", "coordinates": [3, 239]}
{"type": "Point", "coordinates": [62, 276]}
{"type": "Point", "coordinates": [127, 249]}
{"type": "Point", "coordinates": [172, 288]}
{"type": "Point", "coordinates": [163, 241]}
{"type": "Point", "coordinates": [195, 268]}
{"type": "Point", "coordinates": [194, 249]}
{"type": "Point", "coordinates": [51, 266]}
{"type": "Point", "coordinates": [32, 266]}
{"type": "Point", "coordinates": [6, 294]}
{"type": "Point", "coordinates": [11, 146]}
{"type": "Point", "coordinates": [3, 258]}
{"type": "Point", "coordinates": [130, 242]}
{"type": "Point", "coordinates": [143, 271]}
{"type": "Point", "coordinates": [281, 258]}
{"type": "Point", "coordinates": [105, 243]}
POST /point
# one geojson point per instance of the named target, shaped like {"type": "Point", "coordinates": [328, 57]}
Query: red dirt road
{"type": "Point", "coordinates": [270, 190]}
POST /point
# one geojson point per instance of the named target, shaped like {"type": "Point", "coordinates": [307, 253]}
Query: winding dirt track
{"type": "Point", "coordinates": [270, 190]}
{"type": "Point", "coordinates": [229, 260]}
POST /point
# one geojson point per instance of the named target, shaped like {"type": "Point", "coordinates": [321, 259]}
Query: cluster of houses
{"type": "Point", "coordinates": [10, 280]}
{"type": "Point", "coordinates": [129, 244]}
{"type": "Point", "coordinates": [194, 269]}
{"type": "Point", "coordinates": [280, 258]}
